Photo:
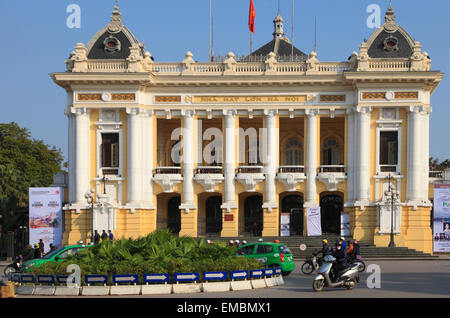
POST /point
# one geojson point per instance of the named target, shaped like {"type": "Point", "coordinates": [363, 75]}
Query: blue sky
{"type": "Point", "coordinates": [36, 41]}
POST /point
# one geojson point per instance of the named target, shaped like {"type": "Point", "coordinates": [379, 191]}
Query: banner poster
{"type": "Point", "coordinates": [285, 224]}
{"type": "Point", "coordinates": [345, 224]}
{"type": "Point", "coordinates": [46, 216]}
{"type": "Point", "coordinates": [313, 221]}
{"type": "Point", "coordinates": [441, 227]}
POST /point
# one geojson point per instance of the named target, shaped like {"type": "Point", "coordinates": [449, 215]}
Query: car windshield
{"type": "Point", "coordinates": [50, 255]}
{"type": "Point", "coordinates": [284, 249]}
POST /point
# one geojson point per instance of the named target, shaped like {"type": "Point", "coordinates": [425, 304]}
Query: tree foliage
{"type": "Point", "coordinates": [24, 162]}
{"type": "Point", "coordinates": [437, 165]}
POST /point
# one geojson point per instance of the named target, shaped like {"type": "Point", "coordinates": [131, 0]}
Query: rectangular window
{"type": "Point", "coordinates": [110, 150]}
{"type": "Point", "coordinates": [389, 148]}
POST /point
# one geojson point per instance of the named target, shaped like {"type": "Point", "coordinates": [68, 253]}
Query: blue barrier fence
{"type": "Point", "coordinates": [149, 278]}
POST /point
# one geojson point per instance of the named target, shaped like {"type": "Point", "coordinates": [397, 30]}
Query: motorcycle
{"type": "Point", "coordinates": [15, 267]}
{"type": "Point", "coordinates": [357, 260]}
{"type": "Point", "coordinates": [347, 278]}
{"type": "Point", "coordinates": [311, 264]}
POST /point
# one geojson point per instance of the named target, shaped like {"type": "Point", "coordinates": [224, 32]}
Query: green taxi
{"type": "Point", "coordinates": [55, 256]}
{"type": "Point", "coordinates": [270, 254]}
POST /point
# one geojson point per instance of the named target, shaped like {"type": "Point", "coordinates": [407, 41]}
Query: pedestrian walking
{"type": "Point", "coordinates": [111, 235]}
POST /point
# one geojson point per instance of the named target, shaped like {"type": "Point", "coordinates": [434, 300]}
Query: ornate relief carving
{"type": "Point", "coordinates": [407, 95]}
{"type": "Point", "coordinates": [89, 97]}
{"type": "Point", "coordinates": [124, 97]}
{"type": "Point", "coordinates": [332, 98]}
{"type": "Point", "coordinates": [373, 95]}
{"type": "Point", "coordinates": [167, 99]}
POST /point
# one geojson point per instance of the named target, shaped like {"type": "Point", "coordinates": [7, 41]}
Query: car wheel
{"type": "Point", "coordinates": [286, 273]}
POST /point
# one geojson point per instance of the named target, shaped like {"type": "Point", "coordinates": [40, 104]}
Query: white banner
{"type": "Point", "coordinates": [313, 221]}
{"type": "Point", "coordinates": [285, 224]}
{"type": "Point", "coordinates": [441, 228]}
{"type": "Point", "coordinates": [345, 224]}
{"type": "Point", "coordinates": [46, 216]}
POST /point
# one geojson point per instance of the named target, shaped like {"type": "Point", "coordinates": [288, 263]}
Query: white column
{"type": "Point", "coordinates": [350, 156]}
{"type": "Point", "coordinates": [230, 160]}
{"type": "Point", "coordinates": [188, 161]}
{"type": "Point", "coordinates": [81, 149]}
{"type": "Point", "coordinates": [134, 150]}
{"type": "Point", "coordinates": [311, 158]}
{"type": "Point", "coordinates": [362, 164]}
{"type": "Point", "coordinates": [70, 155]}
{"type": "Point", "coordinates": [417, 170]}
{"type": "Point", "coordinates": [270, 160]}
{"type": "Point", "coordinates": [147, 159]}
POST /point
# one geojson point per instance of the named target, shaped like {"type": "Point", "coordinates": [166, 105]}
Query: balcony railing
{"type": "Point", "coordinates": [291, 169]}
{"type": "Point", "coordinates": [167, 170]}
{"type": "Point", "coordinates": [250, 169]}
{"type": "Point", "coordinates": [332, 169]}
{"type": "Point", "coordinates": [209, 170]}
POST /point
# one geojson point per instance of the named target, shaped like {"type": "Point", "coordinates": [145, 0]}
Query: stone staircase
{"type": "Point", "coordinates": [313, 244]}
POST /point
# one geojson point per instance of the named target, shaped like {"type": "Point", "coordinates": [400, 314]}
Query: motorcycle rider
{"type": "Point", "coordinates": [325, 249]}
{"type": "Point", "coordinates": [355, 253]}
{"type": "Point", "coordinates": [341, 260]}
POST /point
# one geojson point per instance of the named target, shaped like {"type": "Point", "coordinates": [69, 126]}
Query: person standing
{"type": "Point", "coordinates": [111, 235]}
{"type": "Point", "coordinates": [96, 237]}
{"type": "Point", "coordinates": [41, 246]}
{"type": "Point", "coordinates": [37, 251]}
{"type": "Point", "coordinates": [104, 235]}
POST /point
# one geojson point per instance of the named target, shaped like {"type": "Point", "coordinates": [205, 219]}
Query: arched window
{"type": "Point", "coordinates": [331, 152]}
{"type": "Point", "coordinates": [294, 153]}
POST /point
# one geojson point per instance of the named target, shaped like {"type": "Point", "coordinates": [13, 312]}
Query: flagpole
{"type": "Point", "coordinates": [251, 45]}
{"type": "Point", "coordinates": [210, 27]}
{"type": "Point", "coordinates": [292, 48]}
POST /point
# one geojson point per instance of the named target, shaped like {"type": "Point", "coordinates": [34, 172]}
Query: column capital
{"type": "Point", "coordinates": [148, 113]}
{"type": "Point", "coordinates": [312, 112]}
{"type": "Point", "coordinates": [79, 111]}
{"type": "Point", "coordinates": [363, 110]}
{"type": "Point", "coordinates": [421, 110]}
{"type": "Point", "coordinates": [133, 111]}
{"type": "Point", "coordinates": [187, 113]}
{"type": "Point", "coordinates": [229, 112]}
{"type": "Point", "coordinates": [270, 112]}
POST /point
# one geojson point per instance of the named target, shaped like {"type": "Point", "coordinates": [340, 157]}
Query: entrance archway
{"type": "Point", "coordinates": [293, 204]}
{"type": "Point", "coordinates": [174, 215]}
{"type": "Point", "coordinates": [213, 214]}
{"type": "Point", "coordinates": [331, 206]}
{"type": "Point", "coordinates": [253, 215]}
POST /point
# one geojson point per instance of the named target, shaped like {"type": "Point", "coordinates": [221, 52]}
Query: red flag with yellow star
{"type": "Point", "coordinates": [251, 17]}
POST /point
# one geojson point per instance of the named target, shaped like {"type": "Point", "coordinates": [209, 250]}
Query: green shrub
{"type": "Point", "coordinates": [159, 252]}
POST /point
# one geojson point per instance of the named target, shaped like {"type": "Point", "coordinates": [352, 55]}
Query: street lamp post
{"type": "Point", "coordinates": [89, 196]}
{"type": "Point", "coordinates": [393, 194]}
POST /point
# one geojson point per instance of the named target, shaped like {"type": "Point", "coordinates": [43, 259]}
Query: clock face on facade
{"type": "Point", "coordinates": [112, 44]}
{"type": "Point", "coordinates": [391, 44]}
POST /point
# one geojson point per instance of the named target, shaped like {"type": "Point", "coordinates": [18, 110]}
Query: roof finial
{"type": "Point", "coordinates": [390, 25]}
{"type": "Point", "coordinates": [116, 25]}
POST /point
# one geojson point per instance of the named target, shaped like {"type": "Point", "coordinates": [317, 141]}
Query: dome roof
{"type": "Point", "coordinates": [113, 41]}
{"type": "Point", "coordinates": [280, 45]}
{"type": "Point", "coordinates": [390, 40]}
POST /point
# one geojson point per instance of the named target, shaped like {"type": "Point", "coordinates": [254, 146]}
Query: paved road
{"type": "Point", "coordinates": [399, 279]}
